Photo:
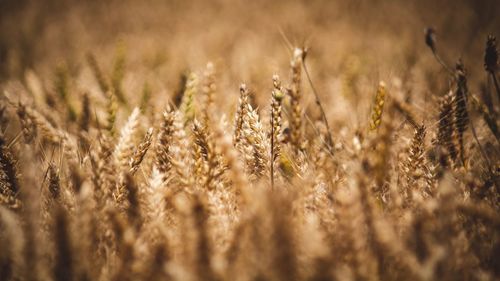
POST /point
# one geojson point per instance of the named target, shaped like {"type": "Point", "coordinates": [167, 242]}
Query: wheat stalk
{"type": "Point", "coordinates": [277, 97]}
{"type": "Point", "coordinates": [295, 96]}
{"type": "Point", "coordinates": [378, 107]}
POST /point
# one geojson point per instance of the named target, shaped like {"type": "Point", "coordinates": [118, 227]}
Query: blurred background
{"type": "Point", "coordinates": [247, 40]}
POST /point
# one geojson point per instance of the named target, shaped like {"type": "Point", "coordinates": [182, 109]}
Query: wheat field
{"type": "Point", "coordinates": [249, 140]}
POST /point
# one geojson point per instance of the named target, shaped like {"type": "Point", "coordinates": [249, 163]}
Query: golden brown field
{"type": "Point", "coordinates": [249, 140]}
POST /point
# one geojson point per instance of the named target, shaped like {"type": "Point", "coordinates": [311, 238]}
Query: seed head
{"type": "Point", "coordinates": [430, 38]}
{"type": "Point", "coordinates": [491, 54]}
